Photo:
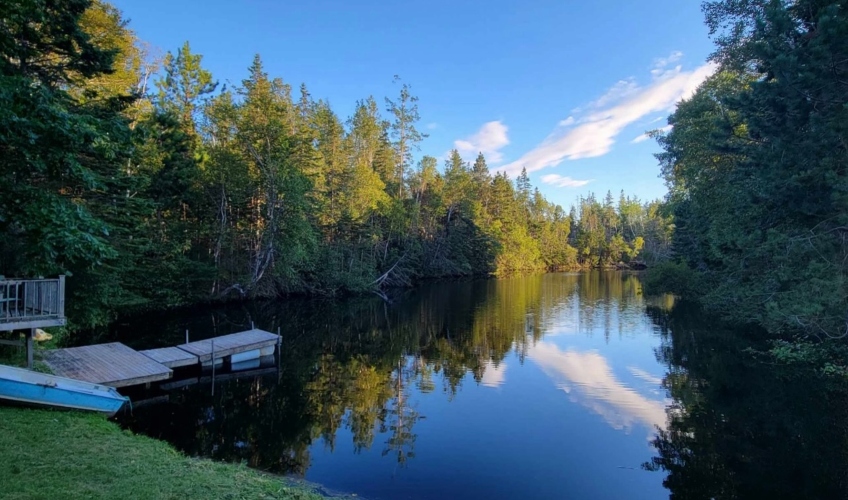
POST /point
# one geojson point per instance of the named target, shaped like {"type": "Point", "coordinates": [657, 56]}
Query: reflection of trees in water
{"type": "Point", "coordinates": [399, 416]}
{"type": "Point", "coordinates": [609, 297]}
{"type": "Point", "coordinates": [356, 364]}
{"type": "Point", "coordinates": [742, 428]}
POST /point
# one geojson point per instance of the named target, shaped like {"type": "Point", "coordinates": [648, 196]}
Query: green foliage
{"type": "Point", "coordinates": [606, 234]}
{"type": "Point", "coordinates": [756, 163]}
{"type": "Point", "coordinates": [184, 86]}
{"type": "Point", "coordinates": [406, 137]}
{"type": "Point", "coordinates": [672, 277]}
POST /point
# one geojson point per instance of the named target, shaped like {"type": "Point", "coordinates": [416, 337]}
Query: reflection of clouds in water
{"type": "Point", "coordinates": [494, 376]}
{"type": "Point", "coordinates": [642, 374]}
{"type": "Point", "coordinates": [588, 380]}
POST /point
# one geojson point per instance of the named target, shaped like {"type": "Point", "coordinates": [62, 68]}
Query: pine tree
{"type": "Point", "coordinates": [406, 136]}
{"type": "Point", "coordinates": [185, 86]}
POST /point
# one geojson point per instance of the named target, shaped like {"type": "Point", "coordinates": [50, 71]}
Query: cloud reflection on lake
{"type": "Point", "coordinates": [588, 379]}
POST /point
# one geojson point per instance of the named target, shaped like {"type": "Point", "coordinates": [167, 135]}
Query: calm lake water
{"type": "Point", "coordinates": [547, 386]}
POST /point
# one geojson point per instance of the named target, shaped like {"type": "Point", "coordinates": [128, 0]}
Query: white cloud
{"type": "Point", "coordinates": [661, 63]}
{"type": "Point", "coordinates": [567, 122]}
{"type": "Point", "coordinates": [599, 123]}
{"type": "Point", "coordinates": [432, 126]}
{"type": "Point", "coordinates": [644, 137]}
{"type": "Point", "coordinates": [560, 181]}
{"type": "Point", "coordinates": [620, 90]}
{"type": "Point", "coordinates": [491, 137]}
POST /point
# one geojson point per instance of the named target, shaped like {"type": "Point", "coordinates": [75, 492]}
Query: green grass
{"type": "Point", "coordinates": [69, 455]}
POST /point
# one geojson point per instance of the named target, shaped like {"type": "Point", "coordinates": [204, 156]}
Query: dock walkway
{"type": "Point", "coordinates": [230, 344]}
{"type": "Point", "coordinates": [172, 357]}
{"type": "Point", "coordinates": [111, 364]}
{"type": "Point", "coordinates": [117, 365]}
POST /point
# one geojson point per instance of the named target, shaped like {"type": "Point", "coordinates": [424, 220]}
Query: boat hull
{"type": "Point", "coordinates": [40, 389]}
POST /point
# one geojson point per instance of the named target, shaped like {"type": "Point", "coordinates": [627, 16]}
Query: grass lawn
{"type": "Point", "coordinates": [69, 455]}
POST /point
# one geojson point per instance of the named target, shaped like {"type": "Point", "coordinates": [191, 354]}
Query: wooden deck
{"type": "Point", "coordinates": [230, 344]}
{"type": "Point", "coordinates": [117, 365]}
{"type": "Point", "coordinates": [172, 357]}
{"type": "Point", "coordinates": [111, 364]}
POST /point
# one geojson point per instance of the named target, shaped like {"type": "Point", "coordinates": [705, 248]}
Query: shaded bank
{"type": "Point", "coordinates": [741, 426]}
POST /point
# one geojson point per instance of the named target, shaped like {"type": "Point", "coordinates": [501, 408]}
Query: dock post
{"type": "Point", "coordinates": [61, 296]}
{"type": "Point", "coordinates": [186, 335]}
{"type": "Point", "coordinates": [279, 353]}
{"type": "Point", "coordinates": [29, 335]}
{"type": "Point", "coordinates": [213, 366]}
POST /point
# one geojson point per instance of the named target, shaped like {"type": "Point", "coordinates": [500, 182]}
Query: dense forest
{"type": "Point", "coordinates": [153, 186]}
{"type": "Point", "coordinates": [757, 167]}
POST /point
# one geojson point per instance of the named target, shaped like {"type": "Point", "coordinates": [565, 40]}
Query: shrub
{"type": "Point", "coordinates": [671, 277]}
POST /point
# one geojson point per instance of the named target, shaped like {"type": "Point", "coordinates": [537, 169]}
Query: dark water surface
{"type": "Point", "coordinates": [547, 386]}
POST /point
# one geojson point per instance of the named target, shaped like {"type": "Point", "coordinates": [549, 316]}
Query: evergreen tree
{"type": "Point", "coordinates": [184, 86]}
{"type": "Point", "coordinates": [756, 167]}
{"type": "Point", "coordinates": [406, 136]}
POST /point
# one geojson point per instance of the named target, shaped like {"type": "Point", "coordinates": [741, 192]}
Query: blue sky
{"type": "Point", "coordinates": [563, 87]}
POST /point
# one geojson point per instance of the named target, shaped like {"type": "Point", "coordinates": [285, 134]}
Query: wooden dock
{"type": "Point", "coordinates": [114, 364]}
{"type": "Point", "coordinates": [172, 357]}
{"type": "Point", "coordinates": [117, 365]}
{"type": "Point", "coordinates": [230, 344]}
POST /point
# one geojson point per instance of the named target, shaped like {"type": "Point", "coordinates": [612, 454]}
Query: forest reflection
{"type": "Point", "coordinates": [729, 424]}
{"type": "Point", "coordinates": [741, 426]}
{"type": "Point", "coordinates": [356, 364]}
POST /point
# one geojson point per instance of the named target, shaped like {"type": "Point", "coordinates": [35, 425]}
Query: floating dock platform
{"type": "Point", "coordinates": [172, 357]}
{"type": "Point", "coordinates": [228, 345]}
{"type": "Point", "coordinates": [117, 365]}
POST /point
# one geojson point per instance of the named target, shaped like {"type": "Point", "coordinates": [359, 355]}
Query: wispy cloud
{"type": "Point", "coordinates": [594, 129]}
{"type": "Point", "coordinates": [432, 126]}
{"type": "Point", "coordinates": [644, 137]}
{"type": "Point", "coordinates": [561, 181]}
{"type": "Point", "coordinates": [621, 89]}
{"type": "Point", "coordinates": [489, 140]}
{"type": "Point", "coordinates": [661, 63]}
